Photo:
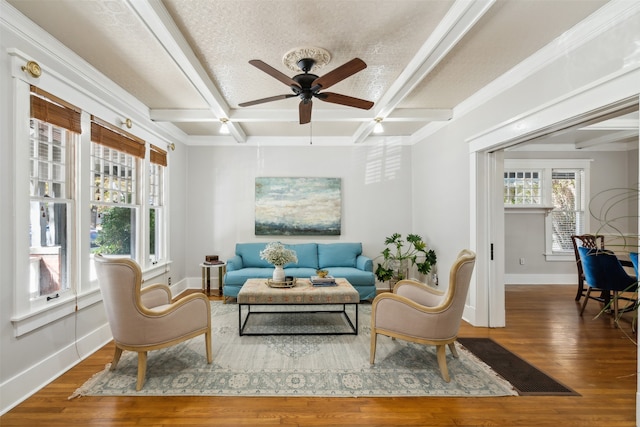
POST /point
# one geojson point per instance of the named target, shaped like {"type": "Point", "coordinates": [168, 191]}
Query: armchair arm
{"type": "Point", "coordinates": [419, 293]}
{"type": "Point", "coordinates": [364, 263]}
{"type": "Point", "coordinates": [234, 263]}
{"type": "Point", "coordinates": [177, 320]}
{"type": "Point", "coordinates": [399, 316]}
{"type": "Point", "coordinates": [155, 295]}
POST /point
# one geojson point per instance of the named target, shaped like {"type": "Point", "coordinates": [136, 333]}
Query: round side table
{"type": "Point", "coordinates": [206, 277]}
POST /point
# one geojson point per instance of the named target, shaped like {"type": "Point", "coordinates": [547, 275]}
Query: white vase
{"type": "Point", "coordinates": [278, 274]}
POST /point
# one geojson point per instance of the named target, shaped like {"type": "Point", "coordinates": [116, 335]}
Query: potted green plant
{"type": "Point", "coordinates": [400, 254]}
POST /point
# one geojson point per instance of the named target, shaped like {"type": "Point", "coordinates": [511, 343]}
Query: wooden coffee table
{"type": "Point", "coordinates": [256, 293]}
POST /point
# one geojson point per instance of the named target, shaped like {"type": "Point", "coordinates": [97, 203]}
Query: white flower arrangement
{"type": "Point", "coordinates": [277, 254]}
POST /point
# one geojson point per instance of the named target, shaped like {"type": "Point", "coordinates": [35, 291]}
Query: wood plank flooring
{"type": "Point", "coordinates": [543, 326]}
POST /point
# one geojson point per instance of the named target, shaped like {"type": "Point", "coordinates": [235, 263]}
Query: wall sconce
{"type": "Point", "coordinates": [224, 128]}
{"type": "Point", "coordinates": [378, 126]}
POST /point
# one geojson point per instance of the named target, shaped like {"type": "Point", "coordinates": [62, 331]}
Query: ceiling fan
{"type": "Point", "coordinates": [307, 86]}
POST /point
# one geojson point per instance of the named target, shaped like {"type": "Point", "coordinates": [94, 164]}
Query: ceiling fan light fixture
{"type": "Point", "coordinates": [224, 128]}
{"type": "Point", "coordinates": [378, 128]}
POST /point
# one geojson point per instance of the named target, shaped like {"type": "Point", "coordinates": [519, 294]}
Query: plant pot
{"type": "Point", "coordinates": [278, 274]}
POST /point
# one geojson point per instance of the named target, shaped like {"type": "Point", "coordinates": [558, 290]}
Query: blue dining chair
{"type": "Point", "coordinates": [634, 261]}
{"type": "Point", "coordinates": [603, 271]}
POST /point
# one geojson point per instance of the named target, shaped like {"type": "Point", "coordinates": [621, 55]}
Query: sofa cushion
{"type": "Point", "coordinates": [250, 253]}
{"type": "Point", "coordinates": [338, 254]}
{"type": "Point", "coordinates": [238, 277]}
{"type": "Point", "coordinates": [355, 276]}
{"type": "Point", "coordinates": [307, 254]}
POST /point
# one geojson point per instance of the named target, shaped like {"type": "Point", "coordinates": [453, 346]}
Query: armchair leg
{"type": "Point", "coordinates": [142, 369]}
{"type": "Point", "coordinates": [454, 351]}
{"type": "Point", "coordinates": [207, 340]}
{"type": "Point", "coordinates": [442, 362]}
{"type": "Point", "coordinates": [116, 358]}
{"type": "Point", "coordinates": [372, 354]}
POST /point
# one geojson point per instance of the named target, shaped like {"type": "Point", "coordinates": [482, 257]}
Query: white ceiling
{"type": "Point", "coordinates": [187, 60]}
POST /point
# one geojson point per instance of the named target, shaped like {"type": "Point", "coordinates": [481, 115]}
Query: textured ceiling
{"type": "Point", "coordinates": [187, 60]}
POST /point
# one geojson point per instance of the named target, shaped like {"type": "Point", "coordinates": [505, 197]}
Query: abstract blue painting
{"type": "Point", "coordinates": [298, 206]}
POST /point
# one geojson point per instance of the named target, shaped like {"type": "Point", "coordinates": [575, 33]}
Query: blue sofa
{"type": "Point", "coordinates": [340, 259]}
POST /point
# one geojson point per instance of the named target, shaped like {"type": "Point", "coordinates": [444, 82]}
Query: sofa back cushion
{"type": "Point", "coordinates": [307, 254]}
{"type": "Point", "coordinates": [250, 253]}
{"type": "Point", "coordinates": [338, 254]}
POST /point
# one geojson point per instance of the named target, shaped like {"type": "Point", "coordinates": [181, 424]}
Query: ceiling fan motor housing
{"type": "Point", "coordinates": [305, 90]}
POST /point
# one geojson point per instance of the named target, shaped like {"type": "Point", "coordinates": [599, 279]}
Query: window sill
{"type": "Point", "coordinates": [27, 322]}
{"type": "Point", "coordinates": [527, 209]}
{"type": "Point", "coordinates": [560, 257]}
{"type": "Point", "coordinates": [36, 319]}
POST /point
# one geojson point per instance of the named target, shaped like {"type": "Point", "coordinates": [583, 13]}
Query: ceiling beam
{"type": "Point", "coordinates": [462, 16]}
{"type": "Point", "coordinates": [156, 18]}
{"type": "Point", "coordinates": [278, 115]}
{"type": "Point", "coordinates": [619, 136]}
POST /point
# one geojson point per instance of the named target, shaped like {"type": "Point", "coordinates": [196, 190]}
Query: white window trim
{"type": "Point", "coordinates": [83, 292]}
{"type": "Point", "coordinates": [547, 165]}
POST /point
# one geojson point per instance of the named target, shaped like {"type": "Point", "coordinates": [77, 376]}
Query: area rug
{"type": "Point", "coordinates": [297, 365]}
{"type": "Point", "coordinates": [525, 378]}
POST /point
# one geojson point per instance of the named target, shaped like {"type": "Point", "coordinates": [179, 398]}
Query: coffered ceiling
{"type": "Point", "coordinates": [188, 60]}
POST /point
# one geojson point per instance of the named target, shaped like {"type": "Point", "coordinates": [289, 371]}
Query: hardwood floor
{"type": "Point", "coordinates": [590, 356]}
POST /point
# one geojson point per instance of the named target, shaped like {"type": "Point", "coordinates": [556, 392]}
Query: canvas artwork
{"type": "Point", "coordinates": [298, 206]}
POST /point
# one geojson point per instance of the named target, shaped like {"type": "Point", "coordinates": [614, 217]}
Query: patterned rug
{"type": "Point", "coordinates": [297, 365]}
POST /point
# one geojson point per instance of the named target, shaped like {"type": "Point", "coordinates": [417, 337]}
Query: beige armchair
{"type": "Point", "coordinates": [418, 313]}
{"type": "Point", "coordinates": [145, 319]}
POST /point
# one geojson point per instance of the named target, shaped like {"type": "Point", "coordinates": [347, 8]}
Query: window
{"type": "Point", "coordinates": [53, 134]}
{"type": "Point", "coordinates": [567, 216]}
{"type": "Point", "coordinates": [61, 216]}
{"type": "Point", "coordinates": [158, 162]}
{"type": "Point", "coordinates": [114, 184]}
{"type": "Point", "coordinates": [558, 188]}
{"type": "Point", "coordinates": [522, 188]}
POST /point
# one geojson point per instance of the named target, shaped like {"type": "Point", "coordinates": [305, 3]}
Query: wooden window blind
{"type": "Point", "coordinates": [54, 110]}
{"type": "Point", "coordinates": [110, 136]}
{"type": "Point", "coordinates": [157, 155]}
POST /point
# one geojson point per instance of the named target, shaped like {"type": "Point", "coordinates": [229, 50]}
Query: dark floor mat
{"type": "Point", "coordinates": [524, 377]}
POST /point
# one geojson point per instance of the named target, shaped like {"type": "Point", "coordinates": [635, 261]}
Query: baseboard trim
{"type": "Point", "coordinates": [18, 388]}
{"type": "Point", "coordinates": [541, 279]}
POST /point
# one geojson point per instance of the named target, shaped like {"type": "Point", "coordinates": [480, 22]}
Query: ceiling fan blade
{"type": "Point", "coordinates": [340, 73]}
{"type": "Point", "coordinates": [305, 112]}
{"type": "Point", "coordinates": [274, 73]}
{"type": "Point", "coordinates": [263, 100]}
{"type": "Point", "coordinates": [349, 101]}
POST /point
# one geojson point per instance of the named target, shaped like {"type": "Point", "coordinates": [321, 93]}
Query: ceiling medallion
{"type": "Point", "coordinates": [319, 55]}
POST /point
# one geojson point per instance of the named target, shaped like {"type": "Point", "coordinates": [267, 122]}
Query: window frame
{"type": "Point", "coordinates": [546, 167]}
{"type": "Point", "coordinates": [26, 316]}
{"type": "Point", "coordinates": [156, 180]}
{"type": "Point", "coordinates": [72, 140]}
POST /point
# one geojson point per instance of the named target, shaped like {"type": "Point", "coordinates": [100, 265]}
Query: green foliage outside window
{"type": "Point", "coordinates": [114, 236]}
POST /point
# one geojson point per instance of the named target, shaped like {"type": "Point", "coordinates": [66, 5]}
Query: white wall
{"type": "Point", "coordinates": [220, 201]}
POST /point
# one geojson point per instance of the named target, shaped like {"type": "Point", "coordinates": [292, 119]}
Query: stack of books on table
{"type": "Point", "coordinates": [323, 281]}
